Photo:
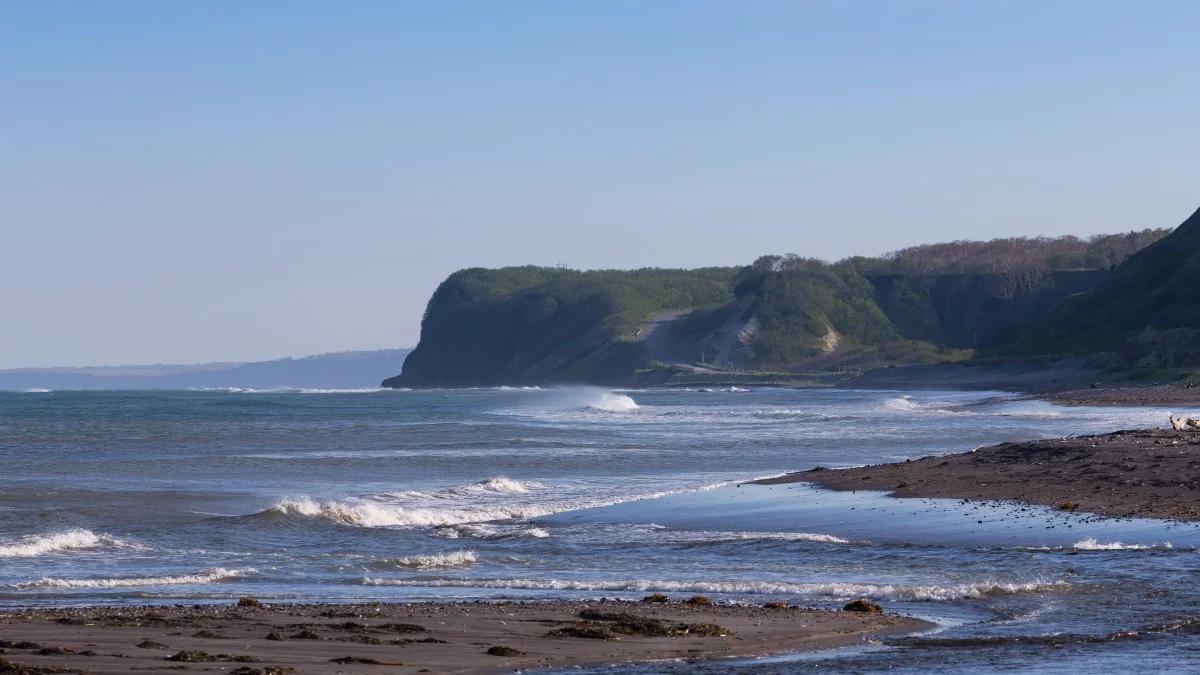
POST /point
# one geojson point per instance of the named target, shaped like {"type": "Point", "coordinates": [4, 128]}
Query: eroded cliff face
{"type": "Point", "coordinates": [534, 325]}
{"type": "Point", "coordinates": [975, 310]}
{"type": "Point", "coordinates": [540, 325]}
{"type": "Point", "coordinates": [1145, 315]}
{"type": "Point", "coordinates": [551, 327]}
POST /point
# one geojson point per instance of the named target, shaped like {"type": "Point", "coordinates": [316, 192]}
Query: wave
{"type": "Point", "coordinates": [503, 485]}
{"type": "Point", "coordinates": [1091, 544]}
{"type": "Point", "coordinates": [1094, 545]}
{"type": "Point", "coordinates": [421, 509]}
{"type": "Point", "coordinates": [585, 398]}
{"type": "Point", "coordinates": [353, 390]}
{"type": "Point", "coordinates": [611, 401]}
{"type": "Point", "coordinates": [364, 513]}
{"type": "Point", "coordinates": [894, 592]}
{"type": "Point", "coordinates": [58, 542]}
{"type": "Point", "coordinates": [726, 537]}
{"type": "Point", "coordinates": [903, 403]}
{"type": "Point", "coordinates": [38, 390]}
{"type": "Point", "coordinates": [447, 559]}
{"type": "Point", "coordinates": [212, 576]}
{"type": "Point", "coordinates": [484, 531]}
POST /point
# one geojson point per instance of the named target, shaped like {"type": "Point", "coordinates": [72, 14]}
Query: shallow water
{"type": "Point", "coordinates": [134, 497]}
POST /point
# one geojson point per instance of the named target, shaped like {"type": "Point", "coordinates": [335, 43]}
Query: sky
{"type": "Point", "coordinates": [235, 179]}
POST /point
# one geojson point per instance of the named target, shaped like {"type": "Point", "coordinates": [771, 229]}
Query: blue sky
{"type": "Point", "coordinates": [192, 181]}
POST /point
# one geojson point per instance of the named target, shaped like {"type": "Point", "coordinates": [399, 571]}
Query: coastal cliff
{"type": "Point", "coordinates": [784, 318]}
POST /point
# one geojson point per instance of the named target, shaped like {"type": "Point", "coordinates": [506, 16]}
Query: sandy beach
{"type": "Point", "coordinates": [373, 638]}
{"type": "Point", "coordinates": [1150, 473]}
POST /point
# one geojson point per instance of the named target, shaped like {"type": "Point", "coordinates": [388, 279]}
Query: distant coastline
{"type": "Point", "coordinates": [351, 369]}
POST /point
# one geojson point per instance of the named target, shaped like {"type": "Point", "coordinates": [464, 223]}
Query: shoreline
{"type": "Point", "coordinates": [251, 638]}
{"type": "Point", "coordinates": [1147, 473]}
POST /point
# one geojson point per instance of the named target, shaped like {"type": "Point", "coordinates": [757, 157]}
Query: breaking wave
{"type": "Point", "coordinates": [212, 576]}
{"type": "Point", "coordinates": [902, 403]}
{"type": "Point", "coordinates": [833, 590]}
{"type": "Point", "coordinates": [1094, 545]}
{"type": "Point", "coordinates": [480, 502]}
{"type": "Point", "coordinates": [57, 542]}
{"type": "Point", "coordinates": [725, 537]}
{"type": "Point", "coordinates": [485, 531]}
{"type": "Point", "coordinates": [447, 559]}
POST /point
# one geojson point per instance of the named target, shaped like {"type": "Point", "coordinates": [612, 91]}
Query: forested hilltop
{"type": "Point", "coordinates": [783, 316]}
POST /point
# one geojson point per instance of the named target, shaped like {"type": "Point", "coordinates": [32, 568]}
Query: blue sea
{"type": "Point", "coordinates": [579, 492]}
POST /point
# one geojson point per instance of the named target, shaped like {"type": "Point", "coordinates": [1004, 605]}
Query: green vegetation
{"type": "Point", "coordinates": [791, 315]}
{"type": "Point", "coordinates": [1145, 315]}
{"type": "Point", "coordinates": [537, 324]}
{"type": "Point", "coordinates": [1015, 254]}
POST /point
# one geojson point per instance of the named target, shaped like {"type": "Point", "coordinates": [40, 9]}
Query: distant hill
{"type": "Point", "coordinates": [341, 370]}
{"type": "Point", "coordinates": [1144, 315]}
{"type": "Point", "coordinates": [780, 316]}
{"type": "Point", "coordinates": [536, 324]}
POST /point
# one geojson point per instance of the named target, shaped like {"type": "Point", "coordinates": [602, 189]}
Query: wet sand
{"type": "Point", "coordinates": [1149, 473]}
{"type": "Point", "coordinates": [1185, 399]}
{"type": "Point", "coordinates": [406, 638]}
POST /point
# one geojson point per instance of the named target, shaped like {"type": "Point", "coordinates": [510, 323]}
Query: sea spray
{"type": "Point", "coordinates": [57, 542]}
{"type": "Point", "coordinates": [211, 576]}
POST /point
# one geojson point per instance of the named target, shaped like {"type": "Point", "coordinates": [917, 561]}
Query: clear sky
{"type": "Point", "coordinates": [230, 180]}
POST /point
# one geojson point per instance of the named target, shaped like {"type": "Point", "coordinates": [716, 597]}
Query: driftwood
{"type": "Point", "coordinates": [1184, 423]}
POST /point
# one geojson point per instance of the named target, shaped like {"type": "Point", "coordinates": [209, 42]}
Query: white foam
{"type": "Point", "coordinates": [485, 531]}
{"type": "Point", "coordinates": [207, 577]}
{"type": "Point", "coordinates": [356, 390]}
{"type": "Point", "coordinates": [903, 404]}
{"type": "Point", "coordinates": [448, 559]}
{"type": "Point", "coordinates": [1094, 545]}
{"type": "Point", "coordinates": [583, 398]}
{"type": "Point", "coordinates": [451, 507]}
{"type": "Point", "coordinates": [893, 592]}
{"type": "Point", "coordinates": [56, 542]}
{"type": "Point", "coordinates": [611, 401]}
{"type": "Point", "coordinates": [38, 390]}
{"type": "Point", "coordinates": [505, 485]}
{"type": "Point", "coordinates": [774, 536]}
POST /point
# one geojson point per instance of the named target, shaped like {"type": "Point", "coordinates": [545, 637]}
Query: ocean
{"type": "Point", "coordinates": [139, 497]}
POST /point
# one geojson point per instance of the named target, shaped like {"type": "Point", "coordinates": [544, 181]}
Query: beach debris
{"type": "Point", "coordinates": [586, 630]}
{"type": "Point", "coordinates": [598, 625]}
{"type": "Point", "coordinates": [249, 602]}
{"type": "Point", "coordinates": [863, 605]}
{"type": "Point", "coordinates": [190, 656]}
{"type": "Point", "coordinates": [361, 661]}
{"type": "Point", "coordinates": [304, 635]}
{"type": "Point", "coordinates": [273, 635]}
{"type": "Point", "coordinates": [501, 650]}
{"type": "Point", "coordinates": [656, 597]}
{"type": "Point", "coordinates": [265, 670]}
{"type": "Point", "coordinates": [402, 627]}
{"type": "Point", "coordinates": [776, 605]}
{"type": "Point", "coordinates": [1184, 423]}
{"type": "Point", "coordinates": [1068, 506]}
{"type": "Point", "coordinates": [698, 600]}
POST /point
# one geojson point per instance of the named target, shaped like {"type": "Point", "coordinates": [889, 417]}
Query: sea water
{"type": "Point", "coordinates": [579, 492]}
